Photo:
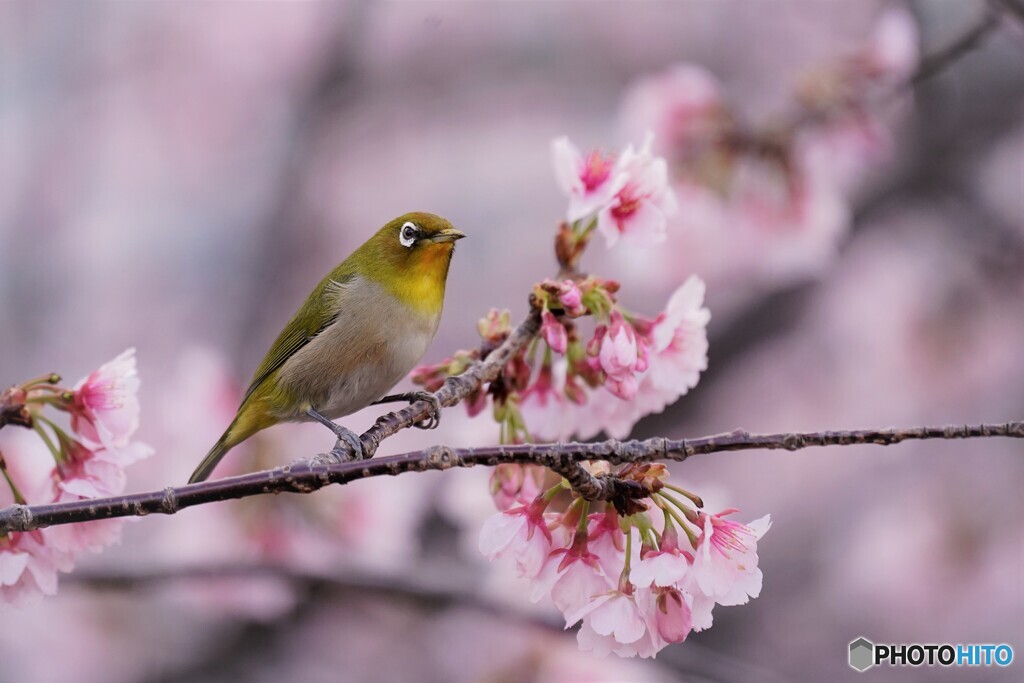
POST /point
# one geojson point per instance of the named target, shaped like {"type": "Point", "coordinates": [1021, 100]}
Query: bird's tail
{"type": "Point", "coordinates": [245, 424]}
{"type": "Point", "coordinates": [218, 451]}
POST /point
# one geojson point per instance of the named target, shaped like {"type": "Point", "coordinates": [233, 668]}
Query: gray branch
{"type": "Point", "coordinates": [306, 478]}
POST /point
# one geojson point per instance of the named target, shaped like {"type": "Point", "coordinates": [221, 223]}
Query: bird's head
{"type": "Point", "coordinates": [410, 255]}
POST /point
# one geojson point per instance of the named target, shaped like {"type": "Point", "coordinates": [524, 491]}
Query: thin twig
{"type": "Point", "coordinates": [972, 38]}
{"type": "Point", "coordinates": [1012, 7]}
{"type": "Point", "coordinates": [12, 408]}
{"type": "Point", "coordinates": [305, 477]}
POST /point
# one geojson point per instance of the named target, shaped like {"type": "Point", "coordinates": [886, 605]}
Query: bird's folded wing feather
{"type": "Point", "coordinates": [310, 321]}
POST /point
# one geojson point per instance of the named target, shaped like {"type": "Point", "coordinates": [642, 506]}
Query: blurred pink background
{"type": "Point", "coordinates": [176, 176]}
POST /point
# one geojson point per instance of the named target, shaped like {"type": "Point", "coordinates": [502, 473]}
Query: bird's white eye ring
{"type": "Point", "coordinates": [408, 234]}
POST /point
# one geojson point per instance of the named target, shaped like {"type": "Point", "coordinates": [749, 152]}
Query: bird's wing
{"type": "Point", "coordinates": [301, 329]}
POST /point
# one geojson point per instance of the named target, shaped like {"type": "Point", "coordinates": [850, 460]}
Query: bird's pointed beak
{"type": "Point", "coordinates": [448, 235]}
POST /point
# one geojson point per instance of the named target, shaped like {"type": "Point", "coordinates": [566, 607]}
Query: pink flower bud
{"type": "Point", "coordinates": [594, 345]}
{"type": "Point", "coordinates": [571, 298]}
{"type": "Point", "coordinates": [554, 332]}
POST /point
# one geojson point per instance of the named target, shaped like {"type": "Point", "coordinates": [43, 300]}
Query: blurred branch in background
{"type": "Point", "coordinates": [925, 172]}
{"type": "Point", "coordinates": [969, 40]}
{"type": "Point", "coordinates": [317, 589]}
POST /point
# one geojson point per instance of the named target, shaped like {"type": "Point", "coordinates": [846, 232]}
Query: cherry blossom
{"type": "Point", "coordinates": [681, 105]}
{"type": "Point", "coordinates": [92, 474]}
{"type": "Point", "coordinates": [522, 531]}
{"type": "Point", "coordinates": [615, 613]}
{"type": "Point", "coordinates": [679, 348]}
{"type": "Point", "coordinates": [29, 566]}
{"type": "Point", "coordinates": [513, 484]}
{"type": "Point", "coordinates": [546, 409]}
{"type": "Point", "coordinates": [621, 354]}
{"type": "Point", "coordinates": [589, 181]}
{"type": "Point", "coordinates": [638, 213]}
{"type": "Point", "coordinates": [725, 562]}
{"type": "Point", "coordinates": [87, 463]}
{"type": "Point", "coordinates": [892, 51]}
{"type": "Point", "coordinates": [106, 409]}
{"type": "Point", "coordinates": [666, 566]}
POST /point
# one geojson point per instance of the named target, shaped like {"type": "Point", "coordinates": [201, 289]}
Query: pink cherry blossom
{"type": "Point", "coordinates": [621, 355]}
{"type": "Point", "coordinates": [589, 181]}
{"type": "Point", "coordinates": [892, 51]}
{"type": "Point", "coordinates": [676, 356]}
{"type": "Point", "coordinates": [513, 484]}
{"type": "Point", "coordinates": [104, 411]}
{"type": "Point", "coordinates": [606, 412]}
{"type": "Point", "coordinates": [664, 567]}
{"type": "Point", "coordinates": [839, 152]}
{"type": "Point", "coordinates": [621, 624]}
{"type": "Point", "coordinates": [106, 408]}
{"type": "Point", "coordinates": [638, 212]}
{"type": "Point", "coordinates": [615, 614]}
{"type": "Point", "coordinates": [92, 474]}
{"type": "Point", "coordinates": [607, 542]}
{"type": "Point", "coordinates": [679, 348]}
{"type": "Point", "coordinates": [522, 531]}
{"type": "Point", "coordinates": [681, 105]}
{"type": "Point", "coordinates": [554, 332]}
{"type": "Point", "coordinates": [725, 562]}
{"type": "Point", "coordinates": [547, 411]}
{"type": "Point", "coordinates": [701, 606]}
{"type": "Point", "coordinates": [572, 576]}
{"type": "Point", "coordinates": [29, 567]}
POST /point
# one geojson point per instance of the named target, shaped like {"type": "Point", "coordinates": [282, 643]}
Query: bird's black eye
{"type": "Point", "coordinates": [407, 236]}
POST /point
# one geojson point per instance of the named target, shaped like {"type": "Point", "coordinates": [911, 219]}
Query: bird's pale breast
{"type": "Point", "coordinates": [375, 341]}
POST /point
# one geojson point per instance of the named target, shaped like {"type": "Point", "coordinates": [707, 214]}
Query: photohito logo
{"type": "Point", "coordinates": [864, 654]}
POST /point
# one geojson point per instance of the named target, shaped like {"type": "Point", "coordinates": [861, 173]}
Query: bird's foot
{"type": "Point", "coordinates": [349, 446]}
{"type": "Point", "coordinates": [434, 418]}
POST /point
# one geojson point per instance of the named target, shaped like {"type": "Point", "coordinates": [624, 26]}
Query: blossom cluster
{"type": "Point", "coordinates": [771, 201]}
{"type": "Point", "coordinates": [572, 382]}
{"type": "Point", "coordinates": [57, 464]}
{"type": "Point", "coordinates": [635, 582]}
{"type": "Point", "coordinates": [625, 573]}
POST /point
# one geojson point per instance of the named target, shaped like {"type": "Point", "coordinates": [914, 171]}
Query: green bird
{"type": "Point", "coordinates": [364, 327]}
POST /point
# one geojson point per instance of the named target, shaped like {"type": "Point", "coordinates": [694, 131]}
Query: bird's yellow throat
{"type": "Point", "coordinates": [422, 286]}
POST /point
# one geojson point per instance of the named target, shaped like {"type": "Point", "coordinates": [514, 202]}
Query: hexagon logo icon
{"type": "Point", "coordinates": [862, 654]}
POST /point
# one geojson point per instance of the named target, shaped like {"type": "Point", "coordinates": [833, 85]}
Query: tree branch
{"type": "Point", "coordinates": [307, 477]}
{"type": "Point", "coordinates": [425, 593]}
{"type": "Point", "coordinates": [12, 408]}
{"type": "Point", "coordinates": [455, 388]}
{"type": "Point", "coordinates": [972, 38]}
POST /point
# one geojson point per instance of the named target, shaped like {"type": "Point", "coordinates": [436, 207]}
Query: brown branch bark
{"type": "Point", "coordinates": [306, 477]}
{"type": "Point", "coordinates": [12, 409]}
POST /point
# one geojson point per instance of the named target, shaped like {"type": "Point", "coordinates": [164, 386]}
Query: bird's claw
{"type": "Point", "coordinates": [348, 447]}
{"type": "Point", "coordinates": [434, 419]}
{"type": "Point", "coordinates": [346, 437]}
